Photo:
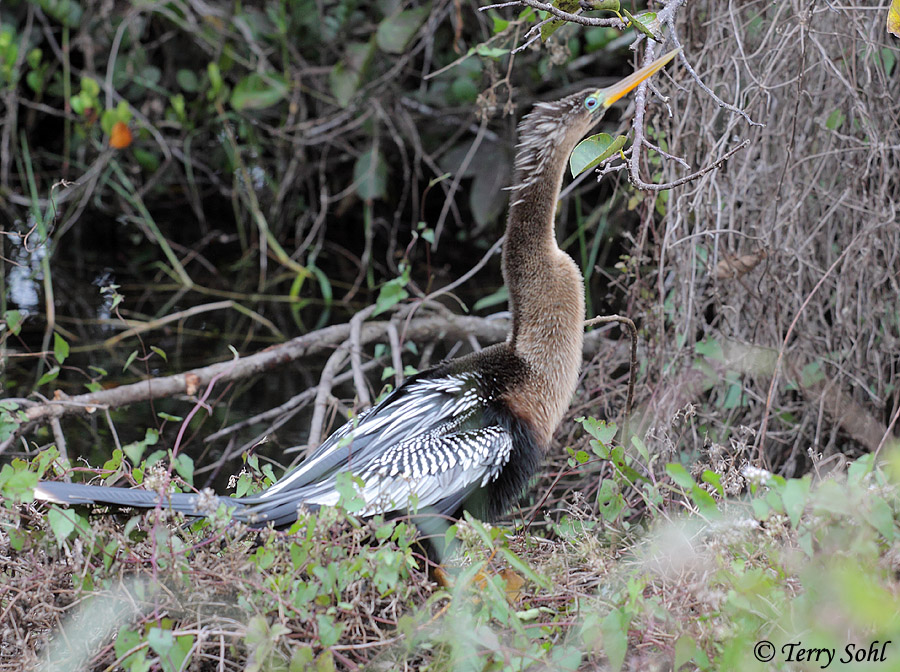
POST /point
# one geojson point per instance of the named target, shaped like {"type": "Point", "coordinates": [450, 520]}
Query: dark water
{"type": "Point", "coordinates": [101, 280]}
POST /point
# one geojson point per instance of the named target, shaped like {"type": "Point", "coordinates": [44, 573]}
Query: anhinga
{"type": "Point", "coordinates": [470, 432]}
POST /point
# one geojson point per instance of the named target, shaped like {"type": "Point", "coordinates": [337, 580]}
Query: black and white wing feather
{"type": "Point", "coordinates": [433, 441]}
{"type": "Point", "coordinates": [427, 441]}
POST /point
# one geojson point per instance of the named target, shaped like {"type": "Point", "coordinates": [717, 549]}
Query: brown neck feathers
{"type": "Point", "coordinates": [546, 292]}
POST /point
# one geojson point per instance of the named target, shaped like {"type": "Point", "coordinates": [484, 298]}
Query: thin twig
{"type": "Point", "coordinates": [287, 409]}
{"type": "Point", "coordinates": [323, 393]}
{"type": "Point", "coordinates": [632, 368]}
{"type": "Point", "coordinates": [190, 312]}
{"type": "Point", "coordinates": [396, 354]}
{"type": "Point", "coordinates": [359, 380]}
{"type": "Point", "coordinates": [770, 396]}
{"type": "Point", "coordinates": [889, 432]}
{"type": "Point", "coordinates": [709, 92]}
{"type": "Point", "coordinates": [448, 199]}
{"type": "Point", "coordinates": [472, 271]}
{"type": "Point", "coordinates": [646, 186]}
{"type": "Point", "coordinates": [60, 439]}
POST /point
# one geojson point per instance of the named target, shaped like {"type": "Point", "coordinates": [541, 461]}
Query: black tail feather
{"type": "Point", "coordinates": [76, 493]}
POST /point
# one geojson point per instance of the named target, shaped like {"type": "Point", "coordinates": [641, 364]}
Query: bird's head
{"type": "Point", "coordinates": [595, 102]}
{"type": "Point", "coordinates": [553, 129]}
{"type": "Point", "coordinates": [550, 132]}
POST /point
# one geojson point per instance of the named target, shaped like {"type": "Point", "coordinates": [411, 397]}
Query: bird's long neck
{"type": "Point", "coordinates": [546, 291]}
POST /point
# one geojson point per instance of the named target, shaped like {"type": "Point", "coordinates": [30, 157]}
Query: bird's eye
{"type": "Point", "coordinates": [591, 102]}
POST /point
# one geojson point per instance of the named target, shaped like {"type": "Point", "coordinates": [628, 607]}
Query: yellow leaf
{"type": "Point", "coordinates": [893, 18]}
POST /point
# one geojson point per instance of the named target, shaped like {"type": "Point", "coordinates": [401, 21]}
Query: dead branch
{"type": "Point", "coordinates": [433, 327]}
{"type": "Point", "coordinates": [438, 327]}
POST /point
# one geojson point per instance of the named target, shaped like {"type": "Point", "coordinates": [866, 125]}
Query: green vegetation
{"type": "Point", "coordinates": [695, 581]}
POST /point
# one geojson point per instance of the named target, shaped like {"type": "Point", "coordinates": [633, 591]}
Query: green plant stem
{"type": "Point", "coordinates": [43, 239]}
{"type": "Point", "coordinates": [67, 96]}
{"type": "Point", "coordinates": [267, 238]}
{"type": "Point", "coordinates": [127, 191]}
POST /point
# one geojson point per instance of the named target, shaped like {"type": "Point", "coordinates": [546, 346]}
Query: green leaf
{"type": "Point", "coordinates": [126, 640]}
{"type": "Point", "coordinates": [684, 650]}
{"type": "Point", "coordinates": [680, 475]}
{"type": "Point", "coordinates": [17, 483]}
{"type": "Point", "coordinates": [60, 348]}
{"type": "Point", "coordinates": [113, 463]}
{"type": "Point", "coordinates": [615, 638]}
{"type": "Point", "coordinates": [591, 151]}
{"type": "Point", "coordinates": [761, 509]}
{"type": "Point", "coordinates": [710, 348]}
{"type": "Point", "coordinates": [794, 497]}
{"type": "Point", "coordinates": [732, 397]}
{"type": "Point", "coordinates": [610, 500]}
{"type": "Point", "coordinates": [14, 320]}
{"type": "Point", "coordinates": [714, 480]}
{"type": "Point", "coordinates": [384, 530]}
{"type": "Point", "coordinates": [90, 86]}
{"type": "Point", "coordinates": [811, 374]}
{"type": "Point", "coordinates": [704, 501]}
{"type": "Point", "coordinates": [641, 448]}
{"type": "Point", "coordinates": [643, 23]}
{"type": "Point", "coordinates": [302, 658]}
{"type": "Point", "coordinates": [77, 105]}
{"type": "Point", "coordinates": [61, 522]}
{"type": "Point", "coordinates": [881, 517]}
{"type": "Point", "coordinates": [173, 651]}
{"type": "Point", "coordinates": [395, 32]}
{"type": "Point", "coordinates": [256, 92]}
{"type": "Point", "coordinates": [345, 77]}
{"type": "Point", "coordinates": [605, 5]}
{"type": "Point", "coordinates": [370, 175]}
{"type": "Point", "coordinates": [65, 12]}
{"type": "Point", "coordinates": [391, 293]}
{"type": "Point", "coordinates": [135, 450]}
{"type": "Point", "coordinates": [215, 78]}
{"type": "Point", "coordinates": [835, 120]}
{"type": "Point", "coordinates": [501, 296]}
{"type": "Point", "coordinates": [490, 52]}
{"type": "Point", "coordinates": [348, 487]}
{"type": "Point", "coordinates": [184, 465]}
{"type": "Point", "coordinates": [570, 6]}
{"type": "Point", "coordinates": [107, 121]}
{"type": "Point", "coordinates": [888, 60]}
{"type": "Point", "coordinates": [187, 80]}
{"type": "Point", "coordinates": [602, 431]}
{"type": "Point", "coordinates": [34, 58]}
{"type": "Point", "coordinates": [329, 632]}
{"type": "Point", "coordinates": [49, 376]}
{"type": "Point", "coordinates": [160, 352]}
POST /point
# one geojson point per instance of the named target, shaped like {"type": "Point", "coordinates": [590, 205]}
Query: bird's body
{"type": "Point", "coordinates": [446, 436]}
{"type": "Point", "coordinates": [470, 432]}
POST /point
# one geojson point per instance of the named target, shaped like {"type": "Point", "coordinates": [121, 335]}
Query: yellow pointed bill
{"type": "Point", "coordinates": [616, 91]}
